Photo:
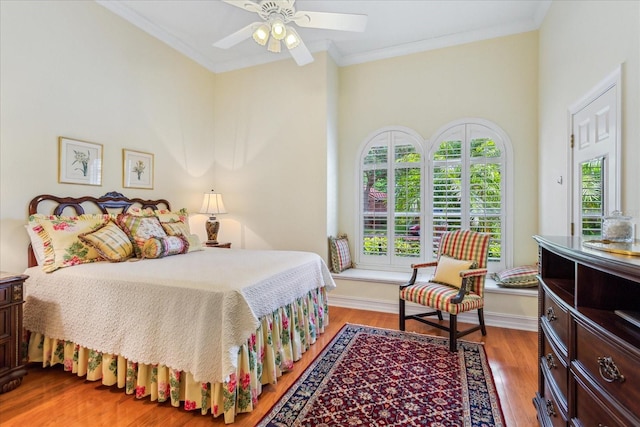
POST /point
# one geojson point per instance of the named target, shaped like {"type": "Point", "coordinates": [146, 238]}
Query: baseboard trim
{"type": "Point", "coordinates": [501, 320]}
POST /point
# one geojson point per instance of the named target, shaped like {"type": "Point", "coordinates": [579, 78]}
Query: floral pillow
{"type": "Point", "coordinates": [60, 238]}
{"type": "Point", "coordinates": [140, 229]}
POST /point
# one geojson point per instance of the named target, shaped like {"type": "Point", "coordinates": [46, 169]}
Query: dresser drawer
{"type": "Point", "coordinates": [590, 411]}
{"type": "Point", "coordinates": [555, 318]}
{"type": "Point", "coordinates": [613, 368]}
{"type": "Point", "coordinates": [553, 412]}
{"type": "Point", "coordinates": [555, 370]}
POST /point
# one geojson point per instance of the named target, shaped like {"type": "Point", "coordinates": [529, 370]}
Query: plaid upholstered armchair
{"type": "Point", "coordinates": [457, 286]}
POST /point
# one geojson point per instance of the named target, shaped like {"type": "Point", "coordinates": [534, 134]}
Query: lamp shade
{"type": "Point", "coordinates": [212, 204]}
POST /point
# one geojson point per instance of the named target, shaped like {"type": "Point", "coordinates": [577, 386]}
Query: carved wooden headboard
{"type": "Point", "coordinates": [112, 202]}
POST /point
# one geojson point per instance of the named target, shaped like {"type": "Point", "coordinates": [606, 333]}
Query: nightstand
{"type": "Point", "coordinates": [219, 245]}
{"type": "Point", "coordinates": [12, 361]}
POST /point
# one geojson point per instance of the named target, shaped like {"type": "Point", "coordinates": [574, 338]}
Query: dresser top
{"type": "Point", "coordinates": [575, 248]}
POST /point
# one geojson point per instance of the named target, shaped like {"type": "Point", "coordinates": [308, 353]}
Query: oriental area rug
{"type": "Point", "coordinates": [378, 377]}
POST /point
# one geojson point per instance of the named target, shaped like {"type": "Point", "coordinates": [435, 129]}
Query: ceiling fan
{"type": "Point", "coordinates": [274, 29]}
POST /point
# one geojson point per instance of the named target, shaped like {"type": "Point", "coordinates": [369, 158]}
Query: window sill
{"type": "Point", "coordinates": [398, 278]}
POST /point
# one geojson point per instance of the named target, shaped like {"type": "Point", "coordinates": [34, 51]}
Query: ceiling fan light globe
{"type": "Point", "coordinates": [278, 30]}
{"type": "Point", "coordinates": [274, 45]}
{"type": "Point", "coordinates": [292, 39]}
{"type": "Point", "coordinates": [261, 35]}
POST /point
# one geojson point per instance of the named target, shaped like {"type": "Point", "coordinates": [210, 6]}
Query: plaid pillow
{"type": "Point", "coordinates": [518, 277]}
{"type": "Point", "coordinates": [340, 254]}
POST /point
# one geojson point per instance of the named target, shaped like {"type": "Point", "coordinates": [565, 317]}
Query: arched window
{"type": "Point", "coordinates": [390, 198]}
{"type": "Point", "coordinates": [404, 210]}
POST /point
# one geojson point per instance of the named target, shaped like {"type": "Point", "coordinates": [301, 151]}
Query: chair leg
{"type": "Point", "coordinates": [401, 314]}
{"type": "Point", "coordinates": [453, 333]}
{"type": "Point", "coordinates": [439, 315]}
{"type": "Point", "coordinates": [481, 320]}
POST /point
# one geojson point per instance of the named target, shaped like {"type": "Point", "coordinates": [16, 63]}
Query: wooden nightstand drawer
{"type": "Point", "coordinates": [5, 295]}
{"type": "Point", "coordinates": [11, 359]}
{"type": "Point", "coordinates": [612, 367]}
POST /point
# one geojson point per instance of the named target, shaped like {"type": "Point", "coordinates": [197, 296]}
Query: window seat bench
{"type": "Point", "coordinates": [375, 290]}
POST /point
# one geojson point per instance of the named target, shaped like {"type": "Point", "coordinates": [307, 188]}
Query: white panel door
{"type": "Point", "coordinates": [595, 160]}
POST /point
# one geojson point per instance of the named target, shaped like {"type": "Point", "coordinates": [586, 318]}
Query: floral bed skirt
{"type": "Point", "coordinates": [278, 342]}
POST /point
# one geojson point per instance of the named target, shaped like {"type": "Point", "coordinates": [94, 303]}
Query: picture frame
{"type": "Point", "coordinates": [137, 169]}
{"type": "Point", "coordinates": [79, 162]}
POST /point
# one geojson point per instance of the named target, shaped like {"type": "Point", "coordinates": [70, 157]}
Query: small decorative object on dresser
{"type": "Point", "coordinates": [12, 360]}
{"type": "Point", "coordinates": [589, 339]}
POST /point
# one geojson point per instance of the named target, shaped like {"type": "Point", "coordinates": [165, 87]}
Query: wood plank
{"type": "Point", "coordinates": [49, 397]}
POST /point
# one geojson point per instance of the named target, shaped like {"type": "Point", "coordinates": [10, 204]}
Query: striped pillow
{"type": "Point", "coordinates": [110, 242]}
{"type": "Point", "coordinates": [340, 254]}
{"type": "Point", "coordinates": [518, 277]}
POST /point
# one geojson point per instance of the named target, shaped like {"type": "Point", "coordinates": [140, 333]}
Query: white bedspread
{"type": "Point", "coordinates": [190, 312]}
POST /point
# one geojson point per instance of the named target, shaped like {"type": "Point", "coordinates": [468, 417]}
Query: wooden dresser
{"type": "Point", "coordinates": [12, 363]}
{"type": "Point", "coordinates": [589, 371]}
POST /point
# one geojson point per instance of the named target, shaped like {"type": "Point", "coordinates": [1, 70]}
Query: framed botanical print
{"type": "Point", "coordinates": [79, 162]}
{"type": "Point", "coordinates": [137, 169]}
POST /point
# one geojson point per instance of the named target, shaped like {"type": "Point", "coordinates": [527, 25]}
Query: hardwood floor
{"type": "Point", "coordinates": [53, 397]}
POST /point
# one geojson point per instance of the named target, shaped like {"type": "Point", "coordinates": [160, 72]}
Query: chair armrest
{"type": "Point", "coordinates": [414, 276]}
{"type": "Point", "coordinates": [425, 264]}
{"type": "Point", "coordinates": [466, 275]}
{"type": "Point", "coordinates": [474, 272]}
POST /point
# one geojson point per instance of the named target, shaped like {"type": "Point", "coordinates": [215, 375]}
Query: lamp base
{"type": "Point", "coordinates": [213, 226]}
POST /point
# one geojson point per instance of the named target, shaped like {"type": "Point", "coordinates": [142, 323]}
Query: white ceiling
{"type": "Point", "coordinates": [394, 27]}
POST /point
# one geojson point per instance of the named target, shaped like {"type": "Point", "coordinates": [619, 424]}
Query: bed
{"type": "Point", "coordinates": [203, 328]}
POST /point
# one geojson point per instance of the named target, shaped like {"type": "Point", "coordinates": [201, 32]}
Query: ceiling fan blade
{"type": "Point", "coordinates": [301, 54]}
{"type": "Point", "coordinates": [331, 21]}
{"type": "Point", "coordinates": [244, 4]}
{"type": "Point", "coordinates": [235, 38]}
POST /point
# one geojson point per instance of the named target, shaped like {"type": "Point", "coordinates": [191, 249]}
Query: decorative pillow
{"type": "Point", "coordinates": [448, 270]}
{"type": "Point", "coordinates": [138, 211]}
{"type": "Point", "coordinates": [110, 242]}
{"type": "Point", "coordinates": [140, 229]}
{"type": "Point", "coordinates": [37, 244]}
{"type": "Point", "coordinates": [62, 246]}
{"type": "Point", "coordinates": [177, 228]}
{"type": "Point", "coordinates": [194, 243]}
{"type": "Point", "coordinates": [340, 254]}
{"type": "Point", "coordinates": [517, 277]}
{"type": "Point", "coordinates": [158, 247]}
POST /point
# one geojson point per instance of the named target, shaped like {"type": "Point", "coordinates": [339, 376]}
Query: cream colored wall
{"type": "Point", "coordinates": [77, 70]}
{"type": "Point", "coordinates": [494, 80]}
{"type": "Point", "coordinates": [271, 145]}
{"type": "Point", "coordinates": [580, 44]}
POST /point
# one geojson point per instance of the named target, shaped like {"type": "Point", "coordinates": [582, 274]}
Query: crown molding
{"type": "Point", "coordinates": [341, 60]}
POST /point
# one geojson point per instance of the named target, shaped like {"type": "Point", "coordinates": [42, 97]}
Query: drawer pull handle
{"type": "Point", "coordinates": [608, 370]}
{"type": "Point", "coordinates": [601, 425]}
{"type": "Point", "coordinates": [551, 363]}
{"type": "Point", "coordinates": [550, 409]}
{"type": "Point", "coordinates": [551, 315]}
